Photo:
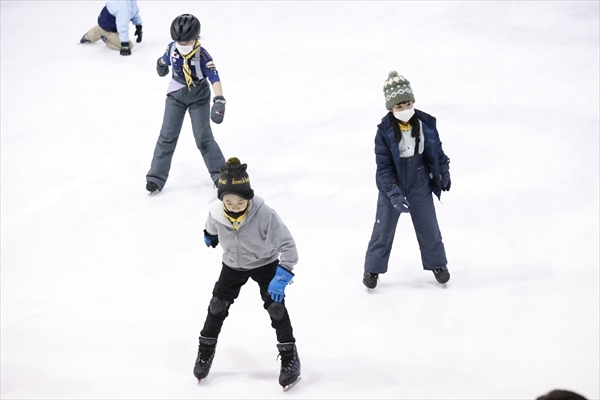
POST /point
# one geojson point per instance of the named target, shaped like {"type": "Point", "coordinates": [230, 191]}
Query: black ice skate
{"type": "Point", "coordinates": [441, 274]}
{"type": "Point", "coordinates": [290, 365]}
{"type": "Point", "coordinates": [84, 39]}
{"type": "Point", "coordinates": [152, 188]}
{"type": "Point", "coordinates": [370, 280]}
{"type": "Point", "coordinates": [206, 353]}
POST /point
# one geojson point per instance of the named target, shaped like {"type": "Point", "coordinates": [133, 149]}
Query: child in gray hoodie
{"type": "Point", "coordinates": [256, 244]}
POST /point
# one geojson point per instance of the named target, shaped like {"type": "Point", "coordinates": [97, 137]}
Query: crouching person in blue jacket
{"type": "Point", "coordinates": [411, 165]}
{"type": "Point", "coordinates": [113, 26]}
{"type": "Point", "coordinates": [256, 244]}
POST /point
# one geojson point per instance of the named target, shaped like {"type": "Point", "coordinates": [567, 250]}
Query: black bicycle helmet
{"type": "Point", "coordinates": [184, 28]}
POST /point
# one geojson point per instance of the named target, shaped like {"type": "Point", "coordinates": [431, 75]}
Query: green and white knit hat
{"type": "Point", "coordinates": [396, 90]}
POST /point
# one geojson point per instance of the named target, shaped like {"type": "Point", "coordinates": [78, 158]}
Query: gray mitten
{"type": "Point", "coordinates": [218, 109]}
{"type": "Point", "coordinates": [161, 68]}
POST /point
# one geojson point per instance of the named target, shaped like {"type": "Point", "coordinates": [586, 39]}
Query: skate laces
{"type": "Point", "coordinates": [206, 353]}
{"type": "Point", "coordinates": [287, 360]}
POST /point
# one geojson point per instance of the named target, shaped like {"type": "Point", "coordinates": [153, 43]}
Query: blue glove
{"type": "Point", "coordinates": [277, 286]}
{"type": "Point", "coordinates": [211, 240]}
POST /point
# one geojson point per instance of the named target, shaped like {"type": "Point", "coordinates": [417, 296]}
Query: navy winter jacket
{"type": "Point", "coordinates": [387, 153]}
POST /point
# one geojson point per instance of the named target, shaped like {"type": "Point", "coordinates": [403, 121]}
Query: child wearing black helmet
{"type": "Point", "coordinates": [189, 91]}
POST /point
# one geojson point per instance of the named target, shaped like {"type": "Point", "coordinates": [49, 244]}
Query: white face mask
{"type": "Point", "coordinates": [405, 115]}
{"type": "Point", "coordinates": [183, 50]}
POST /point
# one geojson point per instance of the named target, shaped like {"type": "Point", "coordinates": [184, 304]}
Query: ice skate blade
{"type": "Point", "coordinates": [154, 193]}
{"type": "Point", "coordinates": [291, 385]}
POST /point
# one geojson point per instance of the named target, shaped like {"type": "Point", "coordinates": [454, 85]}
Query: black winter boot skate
{"type": "Point", "coordinates": [84, 39]}
{"type": "Point", "coordinates": [290, 365]}
{"type": "Point", "coordinates": [441, 274]}
{"type": "Point", "coordinates": [206, 353]}
{"type": "Point", "coordinates": [152, 187]}
{"type": "Point", "coordinates": [370, 280]}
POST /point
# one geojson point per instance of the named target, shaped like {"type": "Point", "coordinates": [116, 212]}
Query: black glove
{"type": "Point", "coordinates": [218, 109]}
{"type": "Point", "coordinates": [398, 199]}
{"type": "Point", "coordinates": [211, 240]}
{"type": "Point", "coordinates": [125, 50]}
{"type": "Point", "coordinates": [400, 203]}
{"type": "Point", "coordinates": [162, 69]}
{"type": "Point", "coordinates": [138, 33]}
{"type": "Point", "coordinates": [445, 178]}
{"type": "Point", "coordinates": [445, 175]}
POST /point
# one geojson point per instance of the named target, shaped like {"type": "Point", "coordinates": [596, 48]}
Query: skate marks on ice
{"type": "Point", "coordinates": [410, 283]}
{"type": "Point", "coordinates": [216, 379]}
{"type": "Point", "coordinates": [179, 189]}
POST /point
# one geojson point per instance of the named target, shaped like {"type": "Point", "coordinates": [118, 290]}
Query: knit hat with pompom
{"type": "Point", "coordinates": [396, 90]}
{"type": "Point", "coordinates": [234, 180]}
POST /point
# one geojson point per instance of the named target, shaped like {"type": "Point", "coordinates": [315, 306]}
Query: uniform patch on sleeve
{"type": "Point", "coordinates": [211, 65]}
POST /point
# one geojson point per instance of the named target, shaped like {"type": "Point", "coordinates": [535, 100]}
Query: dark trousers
{"type": "Point", "coordinates": [197, 103]}
{"type": "Point", "coordinates": [414, 181]}
{"type": "Point", "coordinates": [228, 288]}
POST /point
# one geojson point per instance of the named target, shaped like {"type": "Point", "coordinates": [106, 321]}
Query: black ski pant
{"type": "Point", "coordinates": [228, 288]}
{"type": "Point", "coordinates": [197, 102]}
{"type": "Point", "coordinates": [414, 180]}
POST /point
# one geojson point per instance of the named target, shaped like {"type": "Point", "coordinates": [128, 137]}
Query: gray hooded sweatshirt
{"type": "Point", "coordinates": [260, 239]}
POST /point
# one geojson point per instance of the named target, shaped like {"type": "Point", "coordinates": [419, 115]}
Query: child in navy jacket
{"type": "Point", "coordinates": [411, 165]}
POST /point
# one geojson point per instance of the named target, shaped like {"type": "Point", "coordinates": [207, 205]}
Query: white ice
{"type": "Point", "coordinates": [105, 290]}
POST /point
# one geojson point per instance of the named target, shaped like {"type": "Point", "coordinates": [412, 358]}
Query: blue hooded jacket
{"type": "Point", "coordinates": [387, 153]}
{"type": "Point", "coordinates": [116, 15]}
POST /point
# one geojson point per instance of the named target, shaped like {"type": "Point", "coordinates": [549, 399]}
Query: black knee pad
{"type": "Point", "coordinates": [276, 310]}
{"type": "Point", "coordinates": [217, 306]}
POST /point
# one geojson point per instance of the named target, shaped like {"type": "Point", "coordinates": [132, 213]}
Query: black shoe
{"type": "Point", "coordinates": [290, 363]}
{"type": "Point", "coordinates": [84, 39]}
{"type": "Point", "coordinates": [103, 38]}
{"type": "Point", "coordinates": [206, 353]}
{"type": "Point", "coordinates": [370, 280]}
{"type": "Point", "coordinates": [441, 274]}
{"type": "Point", "coordinates": [152, 187]}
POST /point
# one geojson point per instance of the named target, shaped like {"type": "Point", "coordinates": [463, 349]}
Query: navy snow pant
{"type": "Point", "coordinates": [414, 181]}
{"type": "Point", "coordinates": [228, 288]}
{"type": "Point", "coordinates": [197, 102]}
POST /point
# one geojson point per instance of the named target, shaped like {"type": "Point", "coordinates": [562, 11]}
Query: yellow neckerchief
{"type": "Point", "coordinates": [407, 127]}
{"type": "Point", "coordinates": [187, 71]}
{"type": "Point", "coordinates": [236, 221]}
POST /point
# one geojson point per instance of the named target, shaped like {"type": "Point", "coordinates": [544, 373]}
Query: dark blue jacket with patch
{"type": "Point", "coordinates": [201, 65]}
{"type": "Point", "coordinates": [387, 153]}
